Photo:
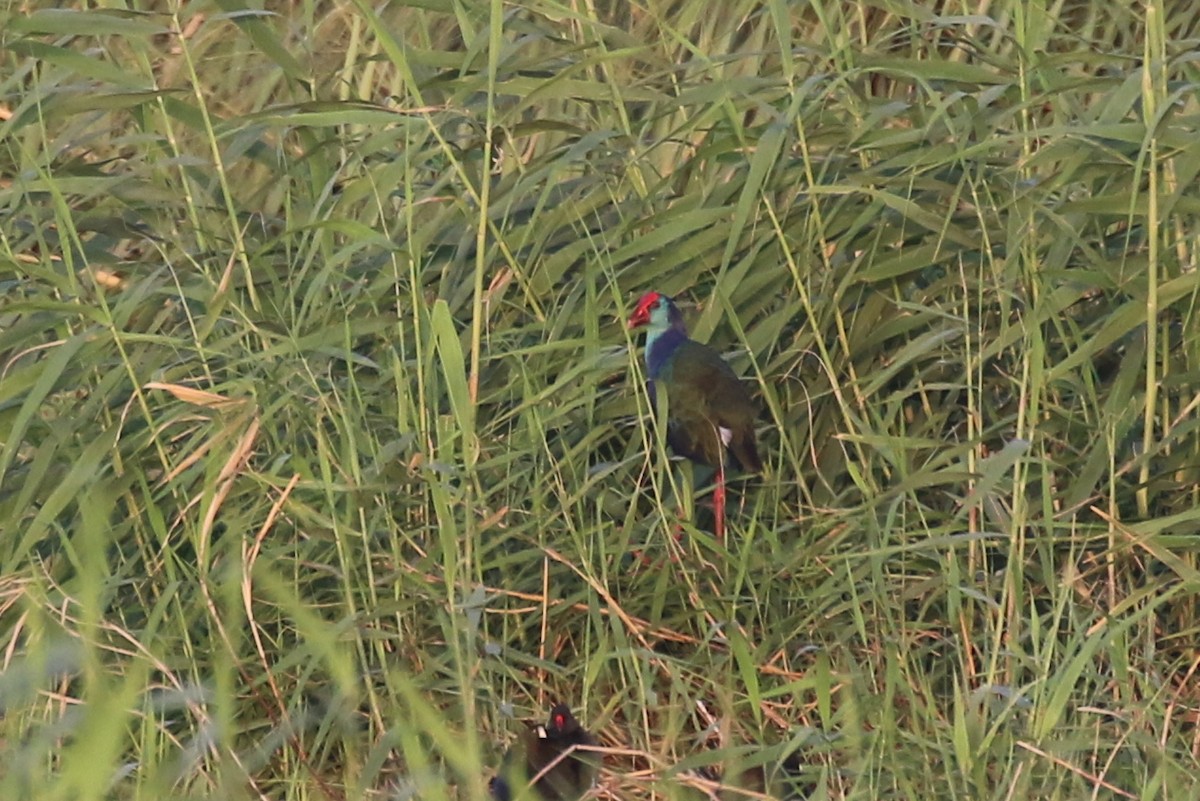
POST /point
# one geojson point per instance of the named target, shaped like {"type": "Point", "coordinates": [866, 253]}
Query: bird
{"type": "Point", "coordinates": [776, 778]}
{"type": "Point", "coordinates": [750, 784]}
{"type": "Point", "coordinates": [553, 757]}
{"type": "Point", "coordinates": [710, 413]}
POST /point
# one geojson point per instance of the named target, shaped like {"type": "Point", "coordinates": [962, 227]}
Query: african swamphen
{"type": "Point", "coordinates": [553, 757]}
{"type": "Point", "coordinates": [710, 413]}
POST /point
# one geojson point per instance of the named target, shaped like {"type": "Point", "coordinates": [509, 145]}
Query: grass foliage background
{"type": "Point", "coordinates": [322, 461]}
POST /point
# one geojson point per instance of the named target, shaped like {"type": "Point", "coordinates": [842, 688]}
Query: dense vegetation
{"type": "Point", "coordinates": [322, 455]}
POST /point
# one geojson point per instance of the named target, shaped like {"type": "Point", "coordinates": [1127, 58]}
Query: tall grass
{"type": "Point", "coordinates": [323, 456]}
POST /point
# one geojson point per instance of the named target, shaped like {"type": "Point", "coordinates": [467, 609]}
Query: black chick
{"type": "Point", "coordinates": [773, 781]}
{"type": "Point", "coordinates": [548, 756]}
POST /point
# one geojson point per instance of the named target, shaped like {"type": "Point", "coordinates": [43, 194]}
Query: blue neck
{"type": "Point", "coordinates": [661, 344]}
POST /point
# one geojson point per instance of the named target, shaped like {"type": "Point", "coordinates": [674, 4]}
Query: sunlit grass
{"type": "Point", "coordinates": [322, 456]}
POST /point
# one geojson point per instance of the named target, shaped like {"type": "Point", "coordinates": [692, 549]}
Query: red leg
{"type": "Point", "coordinates": [719, 503]}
